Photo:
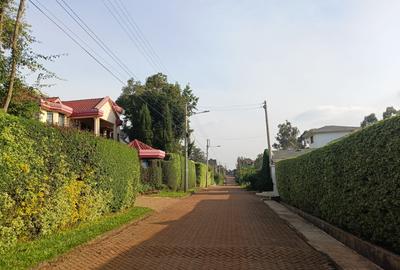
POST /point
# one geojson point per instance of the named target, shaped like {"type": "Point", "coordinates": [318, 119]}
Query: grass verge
{"type": "Point", "coordinates": [173, 194]}
{"type": "Point", "coordinates": [28, 254]}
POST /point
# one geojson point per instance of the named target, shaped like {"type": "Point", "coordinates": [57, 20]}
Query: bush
{"type": "Point", "coordinates": [219, 178]}
{"type": "Point", "coordinates": [201, 170]}
{"type": "Point", "coordinates": [172, 171]}
{"type": "Point", "coordinates": [262, 181]}
{"type": "Point", "coordinates": [192, 174]}
{"type": "Point", "coordinates": [53, 179]}
{"type": "Point", "coordinates": [353, 183]}
{"type": "Point", "coordinates": [173, 168]}
{"type": "Point", "coordinates": [152, 175]}
{"type": "Point", "coordinates": [259, 180]}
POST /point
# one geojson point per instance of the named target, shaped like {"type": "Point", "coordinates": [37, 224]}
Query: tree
{"type": "Point", "coordinates": [369, 120]}
{"type": "Point", "coordinates": [16, 51]}
{"type": "Point", "coordinates": [197, 155]}
{"type": "Point", "coordinates": [287, 137]}
{"type": "Point", "coordinates": [167, 136]}
{"type": "Point", "coordinates": [145, 131]}
{"type": "Point", "coordinates": [157, 93]}
{"type": "Point", "coordinates": [14, 55]}
{"type": "Point", "coordinates": [390, 111]}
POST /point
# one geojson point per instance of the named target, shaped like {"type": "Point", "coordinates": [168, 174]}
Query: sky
{"type": "Point", "coordinates": [316, 62]}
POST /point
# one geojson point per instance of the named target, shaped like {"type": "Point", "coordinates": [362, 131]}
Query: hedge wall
{"type": "Point", "coordinates": [192, 174]}
{"type": "Point", "coordinates": [172, 171]}
{"type": "Point", "coordinates": [201, 169]}
{"type": "Point", "coordinates": [53, 179]}
{"type": "Point", "coordinates": [353, 183]}
{"type": "Point", "coordinates": [152, 176]}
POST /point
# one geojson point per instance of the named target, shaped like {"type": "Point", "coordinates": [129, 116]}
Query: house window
{"type": "Point", "coordinates": [49, 119]}
{"type": "Point", "coordinates": [61, 120]}
{"type": "Point", "coordinates": [312, 139]}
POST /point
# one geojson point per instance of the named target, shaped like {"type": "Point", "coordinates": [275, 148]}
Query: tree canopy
{"type": "Point", "coordinates": [166, 103]}
{"type": "Point", "coordinates": [369, 120]}
{"type": "Point", "coordinates": [25, 97]}
{"type": "Point", "coordinates": [287, 137]}
{"type": "Point", "coordinates": [389, 112]}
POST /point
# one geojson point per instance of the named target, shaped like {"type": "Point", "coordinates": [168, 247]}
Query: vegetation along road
{"type": "Point", "coordinates": [223, 227]}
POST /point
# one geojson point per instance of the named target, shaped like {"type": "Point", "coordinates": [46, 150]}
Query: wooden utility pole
{"type": "Point", "coordinates": [267, 129]}
{"type": "Point", "coordinates": [14, 54]}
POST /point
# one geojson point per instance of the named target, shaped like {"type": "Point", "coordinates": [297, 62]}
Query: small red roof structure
{"type": "Point", "coordinates": [146, 151]}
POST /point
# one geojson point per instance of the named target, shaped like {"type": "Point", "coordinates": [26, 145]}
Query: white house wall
{"type": "Point", "coordinates": [322, 139]}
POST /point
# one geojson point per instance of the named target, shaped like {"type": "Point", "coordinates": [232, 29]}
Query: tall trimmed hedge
{"type": "Point", "coordinates": [192, 174]}
{"type": "Point", "coordinates": [172, 171]}
{"type": "Point", "coordinates": [353, 183]}
{"type": "Point", "coordinates": [152, 175]}
{"type": "Point", "coordinates": [201, 170]}
{"type": "Point", "coordinates": [52, 179]}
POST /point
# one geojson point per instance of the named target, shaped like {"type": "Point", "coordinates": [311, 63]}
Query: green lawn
{"type": "Point", "coordinates": [173, 194]}
{"type": "Point", "coordinates": [28, 254]}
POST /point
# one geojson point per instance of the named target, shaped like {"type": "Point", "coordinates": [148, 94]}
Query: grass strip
{"type": "Point", "coordinates": [173, 194]}
{"type": "Point", "coordinates": [28, 254]}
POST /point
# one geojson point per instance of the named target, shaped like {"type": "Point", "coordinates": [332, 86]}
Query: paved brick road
{"type": "Point", "coordinates": [223, 228]}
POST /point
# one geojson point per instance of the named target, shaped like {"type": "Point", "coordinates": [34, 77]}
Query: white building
{"type": "Point", "coordinates": [319, 137]}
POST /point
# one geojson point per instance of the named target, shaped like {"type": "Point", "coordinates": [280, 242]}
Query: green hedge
{"type": "Point", "coordinates": [219, 178]}
{"type": "Point", "coordinates": [152, 176]}
{"type": "Point", "coordinates": [53, 179]}
{"type": "Point", "coordinates": [192, 174]}
{"type": "Point", "coordinates": [172, 171]}
{"type": "Point", "coordinates": [173, 168]}
{"type": "Point", "coordinates": [201, 170]}
{"type": "Point", "coordinates": [211, 176]}
{"type": "Point", "coordinates": [353, 183]}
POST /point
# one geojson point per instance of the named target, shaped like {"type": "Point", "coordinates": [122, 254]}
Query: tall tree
{"type": "Point", "coordinates": [15, 54]}
{"type": "Point", "coordinates": [369, 120]}
{"type": "Point", "coordinates": [157, 92]}
{"type": "Point", "coordinates": [196, 154]}
{"type": "Point", "coordinates": [287, 137]}
{"type": "Point", "coordinates": [18, 57]}
{"type": "Point", "coordinates": [390, 111]}
{"type": "Point", "coordinates": [145, 131]}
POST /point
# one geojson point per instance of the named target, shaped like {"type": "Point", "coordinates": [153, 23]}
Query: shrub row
{"type": "Point", "coordinates": [173, 171]}
{"type": "Point", "coordinates": [151, 175]}
{"type": "Point", "coordinates": [52, 179]}
{"type": "Point", "coordinates": [259, 180]}
{"type": "Point", "coordinates": [353, 183]}
{"type": "Point", "coordinates": [201, 170]}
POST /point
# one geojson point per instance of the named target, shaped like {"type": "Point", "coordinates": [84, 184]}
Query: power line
{"type": "Point", "coordinates": [85, 50]}
{"type": "Point", "coordinates": [140, 34]}
{"type": "Point", "coordinates": [231, 106]}
{"type": "Point", "coordinates": [95, 37]}
{"type": "Point", "coordinates": [72, 38]}
{"type": "Point", "coordinates": [119, 18]}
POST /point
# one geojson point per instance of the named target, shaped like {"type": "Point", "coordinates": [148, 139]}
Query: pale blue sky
{"type": "Point", "coordinates": [317, 62]}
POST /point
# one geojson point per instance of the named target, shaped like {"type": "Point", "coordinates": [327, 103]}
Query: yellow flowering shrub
{"type": "Point", "coordinates": [53, 179]}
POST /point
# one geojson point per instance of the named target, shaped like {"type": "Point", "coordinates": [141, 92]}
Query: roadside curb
{"type": "Point", "coordinates": [343, 256]}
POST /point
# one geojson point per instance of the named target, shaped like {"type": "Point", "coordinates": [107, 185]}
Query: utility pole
{"type": "Point", "coordinates": [271, 165]}
{"type": "Point", "coordinates": [268, 139]}
{"type": "Point", "coordinates": [14, 54]}
{"type": "Point", "coordinates": [186, 150]}
{"type": "Point", "coordinates": [207, 147]}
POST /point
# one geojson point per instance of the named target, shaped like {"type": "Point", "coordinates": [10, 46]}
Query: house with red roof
{"type": "Point", "coordinates": [98, 115]}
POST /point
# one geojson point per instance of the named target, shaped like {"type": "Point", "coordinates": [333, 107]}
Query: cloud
{"type": "Point", "coordinates": [332, 115]}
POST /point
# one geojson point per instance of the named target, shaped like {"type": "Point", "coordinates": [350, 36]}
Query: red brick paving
{"type": "Point", "coordinates": [223, 228]}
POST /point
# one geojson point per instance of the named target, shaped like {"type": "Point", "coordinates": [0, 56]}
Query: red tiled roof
{"type": "Point", "coordinates": [146, 151]}
{"type": "Point", "coordinates": [84, 107]}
